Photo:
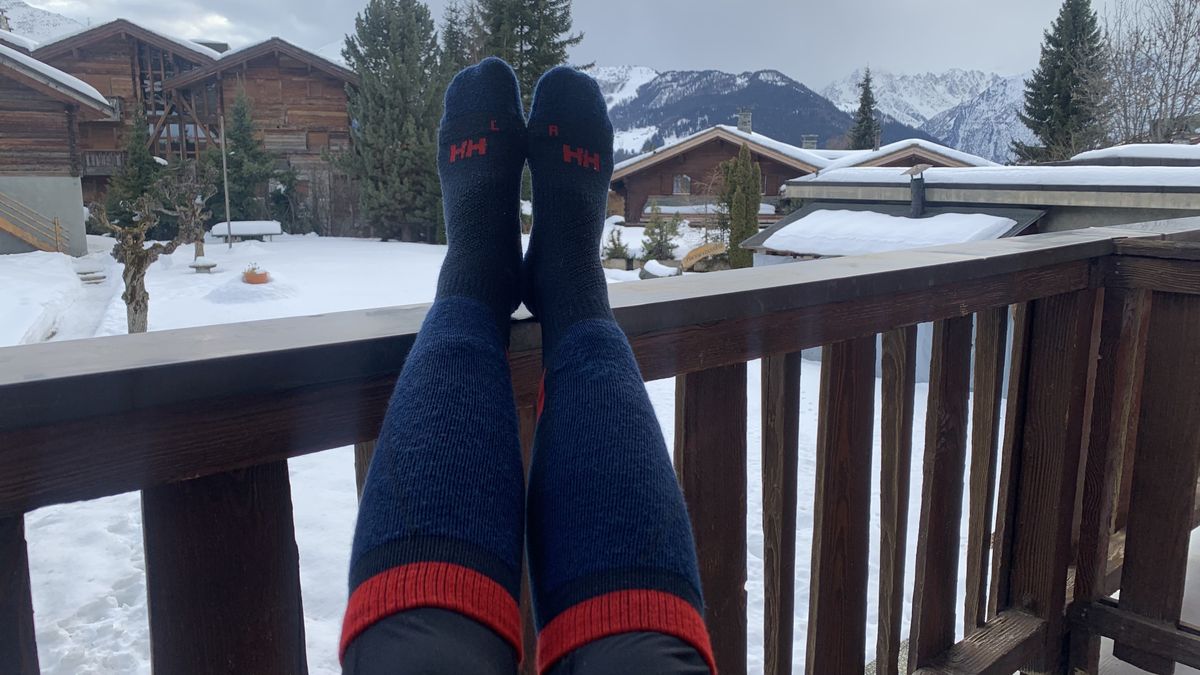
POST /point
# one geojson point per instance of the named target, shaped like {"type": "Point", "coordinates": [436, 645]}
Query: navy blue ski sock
{"type": "Point", "coordinates": [610, 542]}
{"type": "Point", "coordinates": [481, 151]}
{"type": "Point", "coordinates": [570, 157]}
{"type": "Point", "coordinates": [441, 521]}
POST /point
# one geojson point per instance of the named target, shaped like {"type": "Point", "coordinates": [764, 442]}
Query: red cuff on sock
{"type": "Point", "coordinates": [622, 612]}
{"type": "Point", "coordinates": [431, 584]}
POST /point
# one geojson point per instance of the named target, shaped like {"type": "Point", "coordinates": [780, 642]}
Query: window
{"type": "Point", "coordinates": [683, 185]}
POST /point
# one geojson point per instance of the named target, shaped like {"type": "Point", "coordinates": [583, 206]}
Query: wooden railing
{"type": "Point", "coordinates": [1096, 455]}
{"type": "Point", "coordinates": [102, 162]}
{"type": "Point", "coordinates": [22, 222]}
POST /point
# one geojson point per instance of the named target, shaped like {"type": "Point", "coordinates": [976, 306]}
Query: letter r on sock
{"type": "Point", "coordinates": [468, 148]}
{"type": "Point", "coordinates": [581, 157]}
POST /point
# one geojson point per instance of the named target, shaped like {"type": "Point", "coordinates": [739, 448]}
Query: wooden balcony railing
{"type": "Point", "coordinates": [1096, 456]}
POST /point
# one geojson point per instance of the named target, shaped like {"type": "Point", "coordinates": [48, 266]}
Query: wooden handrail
{"type": "Point", "coordinates": [80, 424]}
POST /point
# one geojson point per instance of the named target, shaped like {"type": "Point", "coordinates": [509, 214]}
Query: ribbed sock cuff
{"type": "Point", "coordinates": [619, 612]}
{"type": "Point", "coordinates": [432, 584]}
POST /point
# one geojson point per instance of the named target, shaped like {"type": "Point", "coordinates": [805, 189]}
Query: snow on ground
{"type": "Point", "coordinates": [86, 559]}
{"type": "Point", "coordinates": [689, 237]}
{"type": "Point", "coordinates": [38, 288]}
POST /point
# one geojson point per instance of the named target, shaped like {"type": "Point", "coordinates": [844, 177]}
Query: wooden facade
{"type": "Point", "coordinates": [298, 98]}
{"type": "Point", "coordinates": [36, 137]}
{"type": "Point", "coordinates": [687, 171]}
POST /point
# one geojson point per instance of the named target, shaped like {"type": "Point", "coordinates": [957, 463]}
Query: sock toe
{"type": "Point", "coordinates": [488, 88]}
{"type": "Point", "coordinates": [565, 92]}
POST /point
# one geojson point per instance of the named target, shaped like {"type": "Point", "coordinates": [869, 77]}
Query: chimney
{"type": "Point", "coordinates": [4, 24]}
{"type": "Point", "coordinates": [744, 121]}
{"type": "Point", "coordinates": [809, 141]}
{"type": "Point", "coordinates": [918, 196]}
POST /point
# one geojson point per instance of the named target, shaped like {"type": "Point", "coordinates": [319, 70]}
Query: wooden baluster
{"type": "Point", "coordinates": [991, 335]}
{"type": "Point", "coordinates": [18, 647]}
{"type": "Point", "coordinates": [837, 608]}
{"type": "Point", "coordinates": [1164, 473]}
{"type": "Point", "coordinates": [1006, 497]}
{"type": "Point", "coordinates": [363, 452]}
{"type": "Point", "coordinates": [780, 455]}
{"type": "Point", "coordinates": [896, 430]}
{"type": "Point", "coordinates": [1061, 356]}
{"type": "Point", "coordinates": [223, 575]}
{"type": "Point", "coordinates": [1115, 401]}
{"type": "Point", "coordinates": [935, 588]}
{"type": "Point", "coordinates": [710, 447]}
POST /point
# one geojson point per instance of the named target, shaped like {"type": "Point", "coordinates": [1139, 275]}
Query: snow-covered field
{"type": "Point", "coordinates": [86, 559]}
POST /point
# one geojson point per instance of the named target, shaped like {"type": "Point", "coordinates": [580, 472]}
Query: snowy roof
{"type": "Point", "coordinates": [69, 85]}
{"type": "Point", "coordinates": [913, 144]}
{"type": "Point", "coordinates": [836, 233]}
{"type": "Point", "coordinates": [1142, 151]}
{"type": "Point", "coordinates": [104, 29]}
{"type": "Point", "coordinates": [791, 152]}
{"type": "Point", "coordinates": [1061, 176]}
{"type": "Point", "coordinates": [10, 38]}
{"type": "Point", "coordinates": [262, 48]}
{"type": "Point", "coordinates": [838, 154]}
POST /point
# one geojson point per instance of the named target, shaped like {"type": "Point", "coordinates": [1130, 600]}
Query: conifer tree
{"type": "Point", "coordinates": [1064, 97]}
{"type": "Point", "coordinates": [742, 197]}
{"type": "Point", "coordinates": [394, 112]}
{"type": "Point", "coordinates": [250, 166]}
{"type": "Point", "coordinates": [136, 177]}
{"type": "Point", "coordinates": [532, 35]}
{"type": "Point", "coordinates": [866, 130]}
{"type": "Point", "coordinates": [658, 238]}
{"type": "Point", "coordinates": [457, 50]}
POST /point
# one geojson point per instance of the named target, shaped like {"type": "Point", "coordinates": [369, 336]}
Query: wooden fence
{"type": "Point", "coordinates": [1096, 457]}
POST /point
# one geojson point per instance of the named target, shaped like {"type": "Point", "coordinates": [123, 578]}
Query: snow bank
{"type": "Point", "coordinates": [38, 288]}
{"type": "Point", "coordinates": [836, 233]}
{"type": "Point", "coordinates": [1064, 176]}
{"type": "Point", "coordinates": [1142, 151]}
{"type": "Point", "coordinates": [660, 270]}
{"type": "Point", "coordinates": [862, 157]}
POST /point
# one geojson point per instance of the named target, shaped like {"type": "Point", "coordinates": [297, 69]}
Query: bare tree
{"type": "Point", "coordinates": [185, 193]}
{"type": "Point", "coordinates": [132, 251]}
{"type": "Point", "coordinates": [1153, 69]}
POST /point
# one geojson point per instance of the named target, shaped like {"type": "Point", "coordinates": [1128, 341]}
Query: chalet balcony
{"type": "Point", "coordinates": [102, 162]}
{"type": "Point", "coordinates": [1079, 442]}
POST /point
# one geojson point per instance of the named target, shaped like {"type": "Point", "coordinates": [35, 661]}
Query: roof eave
{"type": "Point", "coordinates": [219, 66]}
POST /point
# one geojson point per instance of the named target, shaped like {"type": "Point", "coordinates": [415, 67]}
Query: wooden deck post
{"type": "Point", "coordinates": [837, 605]}
{"type": "Point", "coordinates": [1063, 339]}
{"type": "Point", "coordinates": [780, 458]}
{"type": "Point", "coordinates": [710, 447]}
{"type": "Point", "coordinates": [935, 587]}
{"type": "Point", "coordinates": [18, 647]}
{"type": "Point", "coordinates": [363, 453]}
{"type": "Point", "coordinates": [1164, 473]}
{"type": "Point", "coordinates": [527, 425]}
{"type": "Point", "coordinates": [223, 575]}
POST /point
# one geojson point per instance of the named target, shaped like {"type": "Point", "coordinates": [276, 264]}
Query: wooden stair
{"type": "Point", "coordinates": [31, 227]}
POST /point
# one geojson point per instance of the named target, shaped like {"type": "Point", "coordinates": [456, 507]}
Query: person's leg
{"type": "Point", "coordinates": [610, 544]}
{"type": "Point", "coordinates": [440, 524]}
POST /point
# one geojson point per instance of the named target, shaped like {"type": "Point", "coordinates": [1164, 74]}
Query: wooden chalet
{"type": "Point", "coordinates": [182, 87]}
{"type": "Point", "coordinates": [682, 173]}
{"type": "Point", "coordinates": [41, 112]}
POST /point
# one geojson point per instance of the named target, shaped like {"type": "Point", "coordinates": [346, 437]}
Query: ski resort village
{"type": "Point", "coordinates": [922, 339]}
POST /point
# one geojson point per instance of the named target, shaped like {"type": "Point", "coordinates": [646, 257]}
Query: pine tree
{"type": "Point", "coordinates": [137, 175]}
{"type": "Point", "coordinates": [658, 238]}
{"type": "Point", "coordinates": [1064, 99]}
{"type": "Point", "coordinates": [250, 166]}
{"type": "Point", "coordinates": [457, 50]}
{"type": "Point", "coordinates": [865, 132]}
{"type": "Point", "coordinates": [532, 35]}
{"type": "Point", "coordinates": [741, 199]}
{"type": "Point", "coordinates": [395, 111]}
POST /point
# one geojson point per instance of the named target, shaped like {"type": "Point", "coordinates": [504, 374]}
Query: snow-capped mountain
{"type": "Point", "coordinates": [912, 99]}
{"type": "Point", "coordinates": [621, 83]}
{"type": "Point", "coordinates": [35, 23]}
{"type": "Point", "coordinates": [675, 104]}
{"type": "Point", "coordinates": [988, 124]}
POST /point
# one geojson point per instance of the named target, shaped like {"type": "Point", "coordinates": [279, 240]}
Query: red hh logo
{"type": "Point", "coordinates": [581, 157]}
{"type": "Point", "coordinates": [468, 148]}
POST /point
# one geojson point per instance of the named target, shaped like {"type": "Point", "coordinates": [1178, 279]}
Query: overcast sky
{"type": "Point", "coordinates": [814, 41]}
